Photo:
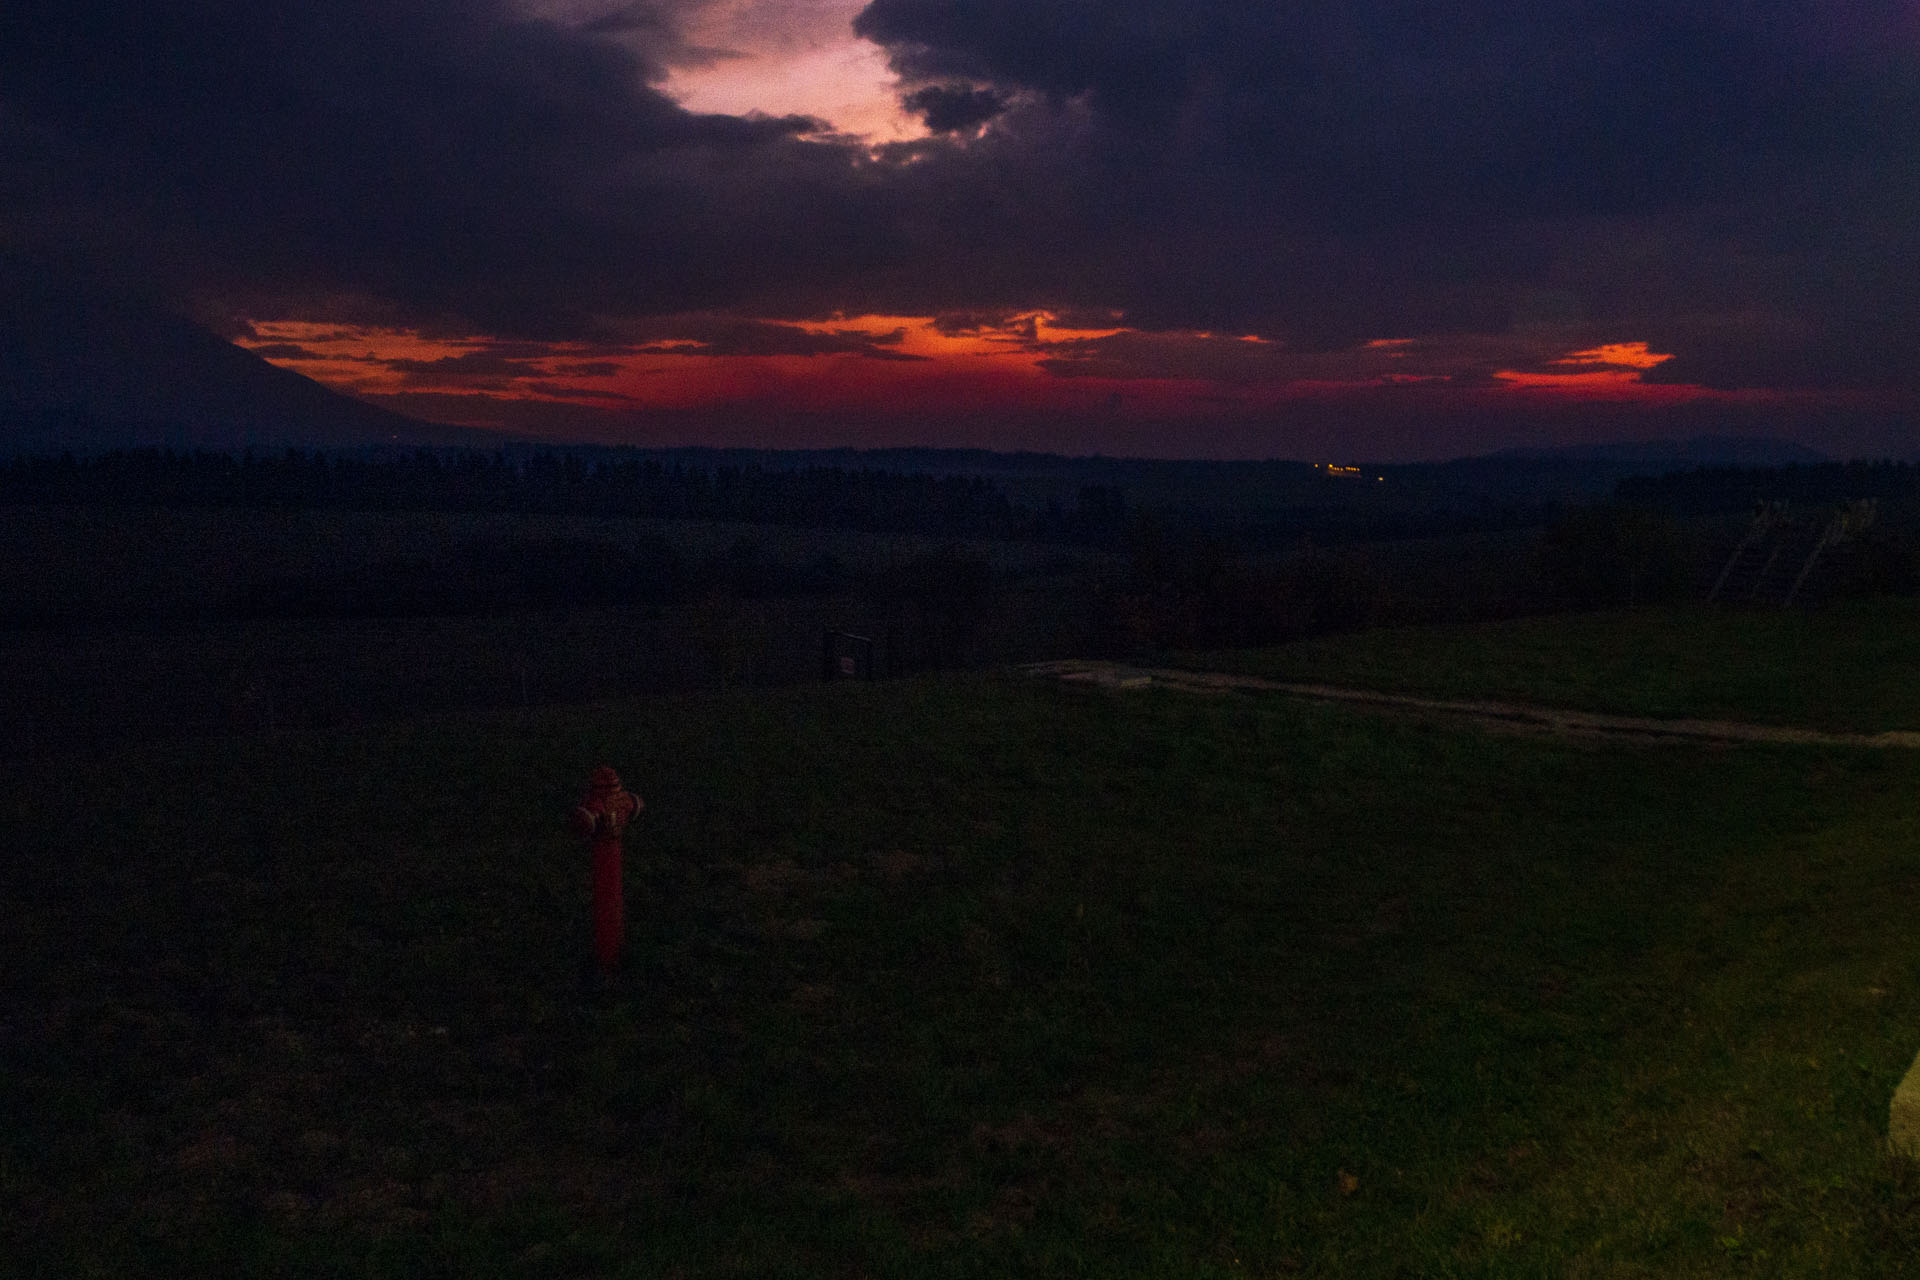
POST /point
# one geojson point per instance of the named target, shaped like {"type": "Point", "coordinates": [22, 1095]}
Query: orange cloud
{"type": "Point", "coordinates": [1610, 371]}
{"type": "Point", "coordinates": [1625, 355]}
{"type": "Point", "coordinates": [987, 363]}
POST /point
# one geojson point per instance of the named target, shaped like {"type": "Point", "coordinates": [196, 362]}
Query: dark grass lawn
{"type": "Point", "coordinates": [1854, 665]}
{"type": "Point", "coordinates": [962, 977]}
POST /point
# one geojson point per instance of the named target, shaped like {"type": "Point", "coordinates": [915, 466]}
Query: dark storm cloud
{"type": "Point", "coordinates": [954, 108]}
{"type": "Point", "coordinates": [1333, 173]}
{"type": "Point", "coordinates": [996, 326]}
{"type": "Point", "coordinates": [651, 29]}
{"type": "Point", "coordinates": [285, 351]}
{"type": "Point", "coordinates": [535, 350]}
{"type": "Point", "coordinates": [959, 324]}
{"type": "Point", "coordinates": [1731, 180]}
{"type": "Point", "coordinates": [1168, 355]}
{"type": "Point", "coordinates": [1090, 318]}
{"type": "Point", "coordinates": [482, 368]}
{"type": "Point", "coordinates": [1459, 361]}
{"type": "Point", "coordinates": [1386, 111]}
{"type": "Point", "coordinates": [719, 336]}
{"type": "Point", "coordinates": [500, 365]}
{"type": "Point", "coordinates": [446, 155]}
{"type": "Point", "coordinates": [561, 391]}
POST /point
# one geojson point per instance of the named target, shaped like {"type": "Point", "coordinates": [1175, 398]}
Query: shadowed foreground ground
{"type": "Point", "coordinates": [962, 976]}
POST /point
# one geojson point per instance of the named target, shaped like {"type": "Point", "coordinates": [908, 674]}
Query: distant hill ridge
{"type": "Point", "coordinates": [1694, 451]}
{"type": "Point", "coordinates": [82, 369]}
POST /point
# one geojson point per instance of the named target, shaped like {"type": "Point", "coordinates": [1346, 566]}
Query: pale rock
{"type": "Point", "coordinates": [1903, 1124]}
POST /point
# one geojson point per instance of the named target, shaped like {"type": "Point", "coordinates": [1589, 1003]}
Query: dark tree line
{"type": "Point", "coordinates": [535, 483]}
{"type": "Point", "coordinates": [523, 480]}
{"type": "Point", "coordinates": [1714, 490]}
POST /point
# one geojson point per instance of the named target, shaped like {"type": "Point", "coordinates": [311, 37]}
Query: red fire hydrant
{"type": "Point", "coordinates": [602, 817]}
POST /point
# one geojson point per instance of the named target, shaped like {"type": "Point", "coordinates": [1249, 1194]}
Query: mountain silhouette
{"type": "Point", "coordinates": [1674, 455]}
{"type": "Point", "coordinates": [84, 369]}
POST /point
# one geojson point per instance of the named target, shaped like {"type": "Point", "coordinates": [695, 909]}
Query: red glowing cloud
{"type": "Point", "coordinates": [1612, 370]}
{"type": "Point", "coordinates": [938, 367]}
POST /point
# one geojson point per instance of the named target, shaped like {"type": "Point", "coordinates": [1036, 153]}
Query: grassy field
{"type": "Point", "coordinates": [1849, 666]}
{"type": "Point", "coordinates": [971, 976]}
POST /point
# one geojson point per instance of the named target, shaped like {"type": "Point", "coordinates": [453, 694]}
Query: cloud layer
{"type": "Point", "coordinates": [1735, 178]}
{"type": "Point", "coordinates": [441, 156]}
{"type": "Point", "coordinates": [1731, 181]}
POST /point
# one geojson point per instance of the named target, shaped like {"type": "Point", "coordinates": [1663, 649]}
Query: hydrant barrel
{"type": "Point", "coordinates": [602, 817]}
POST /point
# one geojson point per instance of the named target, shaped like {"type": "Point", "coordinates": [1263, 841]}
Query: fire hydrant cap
{"type": "Point", "coordinates": [603, 779]}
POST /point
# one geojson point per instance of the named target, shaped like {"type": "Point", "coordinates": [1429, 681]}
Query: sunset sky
{"type": "Point", "coordinates": [1215, 228]}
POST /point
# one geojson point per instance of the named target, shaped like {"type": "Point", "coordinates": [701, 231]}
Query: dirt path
{"type": "Point", "coordinates": [1512, 714]}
